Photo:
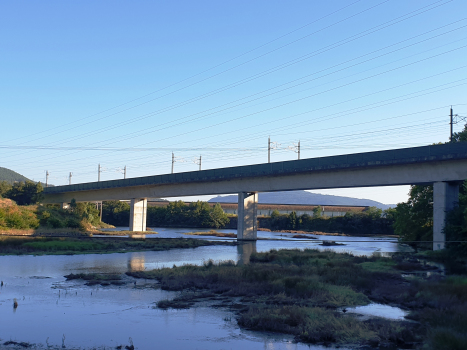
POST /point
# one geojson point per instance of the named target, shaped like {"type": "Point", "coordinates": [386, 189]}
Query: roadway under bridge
{"type": "Point", "coordinates": [444, 166]}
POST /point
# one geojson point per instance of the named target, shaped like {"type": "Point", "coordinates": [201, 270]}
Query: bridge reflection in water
{"type": "Point", "coordinates": [244, 251]}
{"type": "Point", "coordinates": [136, 262]}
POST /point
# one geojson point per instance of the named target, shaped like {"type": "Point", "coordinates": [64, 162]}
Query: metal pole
{"type": "Point", "coordinates": [298, 149]}
{"type": "Point", "coordinates": [173, 160]}
{"type": "Point", "coordinates": [124, 172]}
{"type": "Point", "coordinates": [99, 173]}
{"type": "Point", "coordinates": [199, 162]}
{"type": "Point", "coordinates": [451, 114]}
{"type": "Point", "coordinates": [269, 149]}
{"type": "Point", "coordinates": [46, 178]}
{"type": "Point", "coordinates": [69, 179]}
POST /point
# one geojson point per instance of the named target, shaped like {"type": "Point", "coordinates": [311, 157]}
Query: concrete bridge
{"type": "Point", "coordinates": [444, 166]}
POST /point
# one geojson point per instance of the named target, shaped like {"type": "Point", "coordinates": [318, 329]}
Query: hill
{"type": "Point", "coordinates": [304, 197]}
{"type": "Point", "coordinates": [11, 176]}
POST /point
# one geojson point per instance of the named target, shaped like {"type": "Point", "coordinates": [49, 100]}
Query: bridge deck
{"type": "Point", "coordinates": [423, 154]}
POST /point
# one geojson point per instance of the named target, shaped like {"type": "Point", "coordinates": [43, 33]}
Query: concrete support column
{"type": "Point", "coordinates": [138, 212]}
{"type": "Point", "coordinates": [247, 219]}
{"type": "Point", "coordinates": [445, 198]}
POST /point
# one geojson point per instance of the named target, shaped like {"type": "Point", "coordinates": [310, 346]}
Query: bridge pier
{"type": "Point", "coordinates": [247, 218]}
{"type": "Point", "coordinates": [138, 212]}
{"type": "Point", "coordinates": [445, 198]}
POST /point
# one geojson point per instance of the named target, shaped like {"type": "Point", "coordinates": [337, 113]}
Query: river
{"type": "Point", "coordinates": [60, 313]}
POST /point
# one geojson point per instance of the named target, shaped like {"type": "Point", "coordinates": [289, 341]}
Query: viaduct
{"type": "Point", "coordinates": [444, 166]}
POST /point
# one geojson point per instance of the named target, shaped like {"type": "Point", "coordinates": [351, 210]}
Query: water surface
{"type": "Point", "coordinates": [52, 309]}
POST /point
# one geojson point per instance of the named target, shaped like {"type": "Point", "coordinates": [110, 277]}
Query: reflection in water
{"type": "Point", "coordinates": [244, 251]}
{"type": "Point", "coordinates": [136, 262]}
{"type": "Point", "coordinates": [50, 306]}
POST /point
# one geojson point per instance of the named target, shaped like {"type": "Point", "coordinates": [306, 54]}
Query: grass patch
{"type": "Point", "coordinates": [125, 233]}
{"type": "Point", "coordinates": [304, 237]}
{"type": "Point", "coordinates": [211, 233]}
{"type": "Point", "coordinates": [330, 243]}
{"type": "Point", "coordinates": [301, 293]}
{"type": "Point", "coordinates": [83, 245]}
{"type": "Point", "coordinates": [291, 291]}
{"type": "Point", "coordinates": [322, 325]}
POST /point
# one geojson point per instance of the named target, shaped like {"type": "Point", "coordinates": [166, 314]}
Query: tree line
{"type": "Point", "coordinates": [371, 221]}
{"type": "Point", "coordinates": [23, 193]}
{"type": "Point", "coordinates": [175, 214]}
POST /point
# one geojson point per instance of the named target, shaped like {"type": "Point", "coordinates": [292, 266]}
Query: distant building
{"type": "Point", "coordinates": [267, 209]}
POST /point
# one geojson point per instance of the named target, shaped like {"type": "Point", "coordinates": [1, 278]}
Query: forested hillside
{"type": "Point", "coordinates": [11, 176]}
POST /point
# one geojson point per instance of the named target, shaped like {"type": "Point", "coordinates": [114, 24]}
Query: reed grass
{"type": "Point", "coordinates": [89, 245]}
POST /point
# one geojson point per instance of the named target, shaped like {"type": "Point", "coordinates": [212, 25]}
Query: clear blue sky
{"type": "Point", "coordinates": [126, 83]}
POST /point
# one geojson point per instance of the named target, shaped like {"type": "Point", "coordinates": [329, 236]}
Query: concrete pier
{"type": "Point", "coordinates": [138, 212]}
{"type": "Point", "coordinates": [247, 219]}
{"type": "Point", "coordinates": [445, 198]}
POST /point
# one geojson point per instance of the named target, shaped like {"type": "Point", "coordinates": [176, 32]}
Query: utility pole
{"type": "Point", "coordinates": [46, 178]}
{"type": "Point", "coordinates": [298, 149]}
{"type": "Point", "coordinates": [69, 178]}
{"type": "Point", "coordinates": [269, 149]}
{"type": "Point", "coordinates": [99, 173]}
{"type": "Point", "coordinates": [173, 161]}
{"type": "Point", "coordinates": [124, 172]}
{"type": "Point", "coordinates": [197, 161]}
{"type": "Point", "coordinates": [452, 122]}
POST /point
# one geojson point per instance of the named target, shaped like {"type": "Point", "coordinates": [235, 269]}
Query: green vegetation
{"type": "Point", "coordinates": [212, 233]}
{"type": "Point", "coordinates": [413, 220]}
{"type": "Point", "coordinates": [303, 292]}
{"type": "Point", "coordinates": [23, 193]}
{"type": "Point", "coordinates": [11, 176]}
{"type": "Point", "coordinates": [17, 217]}
{"type": "Point", "coordinates": [370, 222]}
{"type": "Point", "coordinates": [175, 214]}
{"type": "Point", "coordinates": [81, 216]}
{"type": "Point", "coordinates": [295, 292]}
{"type": "Point", "coordinates": [116, 213]}
{"type": "Point", "coordinates": [68, 245]}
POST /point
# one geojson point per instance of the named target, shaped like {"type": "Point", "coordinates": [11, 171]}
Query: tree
{"type": "Point", "coordinates": [414, 219]}
{"type": "Point", "coordinates": [317, 212]}
{"type": "Point", "coordinates": [217, 216]}
{"type": "Point", "coordinates": [4, 188]}
{"type": "Point", "coordinates": [374, 212]}
{"type": "Point", "coordinates": [25, 193]}
{"type": "Point", "coordinates": [292, 221]}
{"type": "Point", "coordinates": [116, 213]}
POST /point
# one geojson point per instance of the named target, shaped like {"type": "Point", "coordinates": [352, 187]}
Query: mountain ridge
{"type": "Point", "coordinates": [305, 198]}
{"type": "Point", "coordinates": [11, 176]}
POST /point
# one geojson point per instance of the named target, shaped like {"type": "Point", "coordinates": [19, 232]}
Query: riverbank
{"type": "Point", "coordinates": [306, 293]}
{"type": "Point", "coordinates": [94, 245]}
{"type": "Point", "coordinates": [320, 233]}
